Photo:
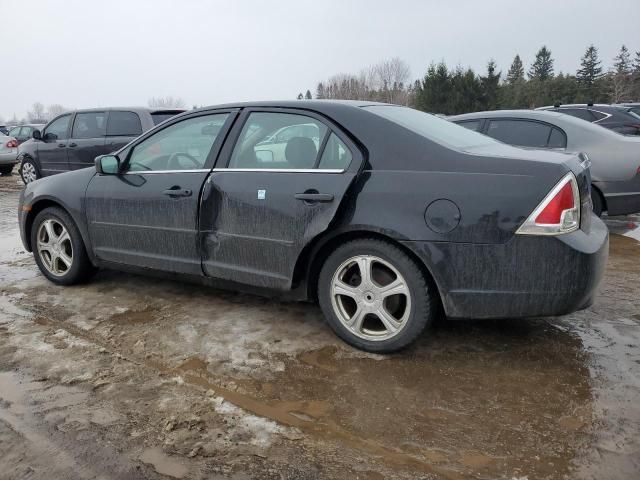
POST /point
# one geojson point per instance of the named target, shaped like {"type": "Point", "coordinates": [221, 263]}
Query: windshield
{"type": "Point", "coordinates": [434, 128]}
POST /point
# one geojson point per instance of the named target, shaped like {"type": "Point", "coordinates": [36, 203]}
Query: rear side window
{"type": "Point", "coordinates": [124, 124]}
{"type": "Point", "coordinates": [160, 117]}
{"type": "Point", "coordinates": [557, 139]}
{"type": "Point", "coordinates": [471, 124]}
{"type": "Point", "coordinates": [336, 155]}
{"type": "Point", "coordinates": [90, 125]}
{"type": "Point", "coordinates": [15, 132]}
{"type": "Point", "coordinates": [522, 133]}
{"type": "Point", "coordinates": [582, 113]}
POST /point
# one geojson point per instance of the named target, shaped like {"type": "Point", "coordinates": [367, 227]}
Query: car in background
{"type": "Point", "coordinates": [74, 139]}
{"type": "Point", "coordinates": [22, 133]}
{"type": "Point", "coordinates": [393, 216]}
{"type": "Point", "coordinates": [620, 119]}
{"type": "Point", "coordinates": [4, 130]}
{"type": "Point", "coordinates": [8, 154]}
{"type": "Point", "coordinates": [633, 107]}
{"type": "Point", "coordinates": [615, 159]}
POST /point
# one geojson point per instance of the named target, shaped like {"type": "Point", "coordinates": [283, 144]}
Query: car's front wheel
{"type": "Point", "coordinates": [58, 247]}
{"type": "Point", "coordinates": [29, 171]}
{"type": "Point", "coordinates": [374, 296]}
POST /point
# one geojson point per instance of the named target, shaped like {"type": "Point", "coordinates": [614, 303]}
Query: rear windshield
{"type": "Point", "coordinates": [437, 129]}
{"type": "Point", "coordinates": [159, 117]}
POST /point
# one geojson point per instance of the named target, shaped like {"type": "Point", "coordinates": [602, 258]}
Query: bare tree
{"type": "Point", "coordinates": [389, 78]}
{"type": "Point", "coordinates": [36, 113]}
{"type": "Point", "coordinates": [620, 87]}
{"type": "Point", "coordinates": [54, 110]}
{"type": "Point", "coordinates": [166, 102]}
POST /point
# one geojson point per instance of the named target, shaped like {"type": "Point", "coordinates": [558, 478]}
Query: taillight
{"type": "Point", "coordinates": [558, 213]}
{"type": "Point", "coordinates": [12, 144]}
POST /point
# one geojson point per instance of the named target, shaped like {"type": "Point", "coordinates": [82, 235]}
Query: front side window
{"type": "Point", "coordinates": [89, 125]}
{"type": "Point", "coordinates": [278, 140]}
{"type": "Point", "coordinates": [182, 146]}
{"type": "Point", "coordinates": [522, 133]}
{"type": "Point", "coordinates": [58, 129]}
{"type": "Point", "coordinates": [429, 126]}
{"type": "Point", "coordinates": [124, 124]}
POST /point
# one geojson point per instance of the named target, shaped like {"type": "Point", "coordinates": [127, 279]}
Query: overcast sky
{"type": "Point", "coordinates": [105, 53]}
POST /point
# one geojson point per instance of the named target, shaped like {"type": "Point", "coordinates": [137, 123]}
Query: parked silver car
{"type": "Point", "coordinates": [8, 154]}
{"type": "Point", "coordinates": [615, 158]}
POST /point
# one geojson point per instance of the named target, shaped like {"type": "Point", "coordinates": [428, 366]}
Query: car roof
{"type": "Point", "coordinates": [129, 109]}
{"type": "Point", "coordinates": [595, 106]}
{"type": "Point", "coordinates": [317, 105]}
{"type": "Point", "coordinates": [522, 113]}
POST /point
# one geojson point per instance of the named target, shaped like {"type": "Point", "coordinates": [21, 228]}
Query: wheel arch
{"type": "Point", "coordinates": [46, 202]}
{"type": "Point", "coordinates": [311, 259]}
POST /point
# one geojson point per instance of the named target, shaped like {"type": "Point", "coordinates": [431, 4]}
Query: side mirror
{"type": "Point", "coordinates": [36, 135]}
{"type": "Point", "coordinates": [108, 164]}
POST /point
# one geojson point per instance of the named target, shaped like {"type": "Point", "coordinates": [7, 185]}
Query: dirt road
{"type": "Point", "coordinates": [135, 377]}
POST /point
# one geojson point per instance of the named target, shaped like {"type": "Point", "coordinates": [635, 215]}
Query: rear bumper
{"type": "Point", "coordinates": [9, 158]}
{"type": "Point", "coordinates": [529, 276]}
{"type": "Point", "coordinates": [622, 198]}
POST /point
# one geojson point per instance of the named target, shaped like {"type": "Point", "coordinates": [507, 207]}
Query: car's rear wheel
{"type": "Point", "coordinates": [374, 296]}
{"type": "Point", "coordinates": [6, 169]}
{"type": "Point", "coordinates": [597, 202]}
{"type": "Point", "coordinates": [29, 171]}
{"type": "Point", "coordinates": [58, 247]}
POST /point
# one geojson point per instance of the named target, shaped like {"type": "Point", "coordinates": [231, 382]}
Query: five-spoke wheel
{"type": "Point", "coordinates": [375, 296]}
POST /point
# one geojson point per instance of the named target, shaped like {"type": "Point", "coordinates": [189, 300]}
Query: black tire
{"type": "Point", "coordinates": [423, 297]}
{"type": "Point", "coordinates": [597, 201]}
{"type": "Point", "coordinates": [36, 169]}
{"type": "Point", "coordinates": [6, 170]}
{"type": "Point", "coordinates": [81, 268]}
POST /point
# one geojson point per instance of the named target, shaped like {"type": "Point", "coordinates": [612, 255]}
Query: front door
{"type": "Point", "coordinates": [87, 139]}
{"type": "Point", "coordinates": [147, 215]}
{"type": "Point", "coordinates": [274, 197]}
{"type": "Point", "coordinates": [52, 150]}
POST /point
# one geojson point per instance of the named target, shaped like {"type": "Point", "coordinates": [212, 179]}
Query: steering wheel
{"type": "Point", "coordinates": [174, 164]}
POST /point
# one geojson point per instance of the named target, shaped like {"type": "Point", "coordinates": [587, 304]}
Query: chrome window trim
{"type": "Point", "coordinates": [268, 170]}
{"type": "Point", "coordinates": [282, 170]}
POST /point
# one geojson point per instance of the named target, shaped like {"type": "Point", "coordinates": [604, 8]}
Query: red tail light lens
{"type": "Point", "coordinates": [558, 213]}
{"type": "Point", "coordinates": [12, 144]}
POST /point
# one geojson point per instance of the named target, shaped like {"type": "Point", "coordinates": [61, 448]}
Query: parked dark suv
{"type": "Point", "coordinates": [620, 119]}
{"type": "Point", "coordinates": [73, 140]}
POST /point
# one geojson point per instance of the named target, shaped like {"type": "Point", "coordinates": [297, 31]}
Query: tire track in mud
{"type": "Point", "coordinates": [290, 414]}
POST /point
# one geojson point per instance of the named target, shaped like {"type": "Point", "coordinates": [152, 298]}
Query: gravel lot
{"type": "Point", "coordinates": [135, 377]}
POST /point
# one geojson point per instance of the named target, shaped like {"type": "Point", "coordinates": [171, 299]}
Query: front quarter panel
{"type": "Point", "coordinates": [67, 190]}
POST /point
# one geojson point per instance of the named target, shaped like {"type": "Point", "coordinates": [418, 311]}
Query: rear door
{"type": "Point", "coordinates": [87, 139]}
{"type": "Point", "coordinates": [122, 127]}
{"type": "Point", "coordinates": [147, 215]}
{"type": "Point", "coordinates": [266, 201]}
{"type": "Point", "coordinates": [52, 150]}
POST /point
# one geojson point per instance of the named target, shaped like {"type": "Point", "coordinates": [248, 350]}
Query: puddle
{"type": "Point", "coordinates": [163, 464]}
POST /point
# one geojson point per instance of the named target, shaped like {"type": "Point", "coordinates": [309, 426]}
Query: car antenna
{"type": "Point", "coordinates": [590, 104]}
{"type": "Point", "coordinates": [556, 105]}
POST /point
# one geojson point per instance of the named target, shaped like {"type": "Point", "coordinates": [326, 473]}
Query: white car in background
{"type": "Point", "coordinates": [8, 154]}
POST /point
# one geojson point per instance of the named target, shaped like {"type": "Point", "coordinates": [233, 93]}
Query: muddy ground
{"type": "Point", "coordinates": [132, 377]}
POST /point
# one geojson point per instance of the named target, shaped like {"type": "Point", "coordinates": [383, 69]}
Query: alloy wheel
{"type": "Point", "coordinates": [29, 172]}
{"type": "Point", "coordinates": [54, 247]}
{"type": "Point", "coordinates": [370, 297]}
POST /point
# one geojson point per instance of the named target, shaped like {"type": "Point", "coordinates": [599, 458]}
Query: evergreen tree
{"type": "Point", "coordinates": [590, 68]}
{"type": "Point", "coordinates": [542, 68]}
{"type": "Point", "coordinates": [320, 93]}
{"type": "Point", "coordinates": [300, 96]}
{"type": "Point", "coordinates": [307, 95]}
{"type": "Point", "coordinates": [516, 71]}
{"type": "Point", "coordinates": [622, 61]}
{"type": "Point", "coordinates": [636, 64]}
{"type": "Point", "coordinates": [490, 85]}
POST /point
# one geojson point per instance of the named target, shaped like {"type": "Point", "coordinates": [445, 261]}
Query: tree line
{"type": "Point", "coordinates": [457, 90]}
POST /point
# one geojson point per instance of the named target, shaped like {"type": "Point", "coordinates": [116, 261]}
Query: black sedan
{"type": "Point", "coordinates": [384, 215]}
